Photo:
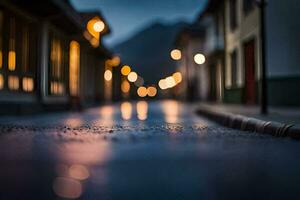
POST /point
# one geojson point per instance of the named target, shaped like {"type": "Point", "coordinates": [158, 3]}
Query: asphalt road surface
{"type": "Point", "coordinates": [139, 150]}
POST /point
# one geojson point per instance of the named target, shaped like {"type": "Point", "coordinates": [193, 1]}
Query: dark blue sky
{"type": "Point", "coordinates": [128, 16]}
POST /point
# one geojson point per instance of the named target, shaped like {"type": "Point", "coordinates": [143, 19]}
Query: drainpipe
{"type": "Point", "coordinates": [264, 88]}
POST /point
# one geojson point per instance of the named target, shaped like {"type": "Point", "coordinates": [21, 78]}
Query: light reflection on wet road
{"type": "Point", "coordinates": [141, 150]}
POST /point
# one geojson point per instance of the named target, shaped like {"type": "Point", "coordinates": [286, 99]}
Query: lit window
{"type": "Point", "coordinates": [12, 45]}
{"type": "Point", "coordinates": [56, 88]}
{"type": "Point", "coordinates": [1, 81]}
{"type": "Point", "coordinates": [74, 68]}
{"type": "Point", "coordinates": [13, 82]}
{"type": "Point", "coordinates": [57, 67]}
{"type": "Point", "coordinates": [28, 85]}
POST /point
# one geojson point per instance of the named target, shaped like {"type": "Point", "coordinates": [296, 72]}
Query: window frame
{"type": "Point", "coordinates": [64, 79]}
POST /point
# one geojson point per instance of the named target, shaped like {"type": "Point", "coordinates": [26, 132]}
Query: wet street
{"type": "Point", "coordinates": [140, 150]}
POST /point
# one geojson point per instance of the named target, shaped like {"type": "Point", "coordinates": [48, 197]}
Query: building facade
{"type": "Point", "coordinates": [232, 45]}
{"type": "Point", "coordinates": [242, 52]}
{"type": "Point", "coordinates": [48, 56]}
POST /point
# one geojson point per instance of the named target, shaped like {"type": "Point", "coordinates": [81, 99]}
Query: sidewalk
{"type": "Point", "coordinates": [279, 121]}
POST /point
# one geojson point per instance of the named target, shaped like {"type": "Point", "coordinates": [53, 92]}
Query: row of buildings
{"type": "Point", "coordinates": [228, 33]}
{"type": "Point", "coordinates": [52, 57]}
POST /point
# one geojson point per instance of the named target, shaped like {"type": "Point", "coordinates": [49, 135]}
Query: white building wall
{"type": "Point", "coordinates": [283, 38]}
{"type": "Point", "coordinates": [247, 29]}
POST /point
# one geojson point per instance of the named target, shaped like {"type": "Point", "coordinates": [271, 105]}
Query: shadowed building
{"type": "Point", "coordinates": [232, 45]}
{"type": "Point", "coordinates": [50, 58]}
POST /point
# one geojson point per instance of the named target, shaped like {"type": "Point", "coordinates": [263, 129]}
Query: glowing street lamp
{"type": "Point", "coordinates": [108, 75]}
{"type": "Point", "coordinates": [99, 26]}
{"type": "Point", "coordinates": [142, 91]}
{"type": "Point", "coordinates": [125, 70]}
{"type": "Point", "coordinates": [176, 54]}
{"type": "Point", "coordinates": [162, 84]}
{"type": "Point", "coordinates": [152, 91]}
{"type": "Point", "coordinates": [132, 77]}
{"type": "Point", "coordinates": [199, 59]}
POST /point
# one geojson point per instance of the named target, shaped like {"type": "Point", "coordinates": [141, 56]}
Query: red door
{"type": "Point", "coordinates": [250, 93]}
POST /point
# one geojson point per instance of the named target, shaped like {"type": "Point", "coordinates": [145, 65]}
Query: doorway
{"type": "Point", "coordinates": [250, 85]}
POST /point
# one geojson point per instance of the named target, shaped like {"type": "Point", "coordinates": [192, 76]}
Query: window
{"type": "Point", "coordinates": [233, 14]}
{"type": "Point", "coordinates": [20, 54]}
{"type": "Point", "coordinates": [248, 6]}
{"type": "Point", "coordinates": [57, 66]}
{"type": "Point", "coordinates": [12, 45]}
{"type": "Point", "coordinates": [74, 66]}
{"type": "Point", "coordinates": [233, 58]}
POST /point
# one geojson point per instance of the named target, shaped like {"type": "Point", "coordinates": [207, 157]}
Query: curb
{"type": "Point", "coordinates": [244, 123]}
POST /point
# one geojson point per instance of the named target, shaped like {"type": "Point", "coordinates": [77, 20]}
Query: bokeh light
{"type": "Point", "coordinates": [170, 82]}
{"type": "Point", "coordinates": [132, 76]}
{"type": "Point", "coordinates": [115, 61]}
{"type": "Point", "coordinates": [125, 70]}
{"type": "Point", "coordinates": [151, 91]}
{"type": "Point", "coordinates": [126, 110]}
{"type": "Point", "coordinates": [79, 172]}
{"type": "Point", "coordinates": [125, 86]}
{"type": "Point", "coordinates": [162, 84]}
{"type": "Point", "coordinates": [142, 110]}
{"type": "Point", "coordinates": [142, 91]}
{"type": "Point", "coordinates": [177, 77]}
{"type": "Point", "coordinates": [99, 26]}
{"type": "Point", "coordinates": [176, 54]}
{"type": "Point", "coordinates": [199, 59]}
{"type": "Point", "coordinates": [107, 75]}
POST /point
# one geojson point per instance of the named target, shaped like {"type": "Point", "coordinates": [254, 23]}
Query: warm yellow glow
{"type": "Point", "coordinates": [126, 110]}
{"type": "Point", "coordinates": [125, 86]}
{"type": "Point", "coordinates": [142, 91]}
{"type": "Point", "coordinates": [199, 59]}
{"type": "Point", "coordinates": [142, 110]}
{"type": "Point", "coordinates": [132, 77]}
{"type": "Point", "coordinates": [108, 75]}
{"type": "Point", "coordinates": [170, 109]}
{"type": "Point", "coordinates": [11, 60]}
{"type": "Point", "coordinates": [74, 65]}
{"type": "Point", "coordinates": [163, 84]}
{"type": "Point", "coordinates": [170, 82]}
{"type": "Point", "coordinates": [91, 27]}
{"type": "Point", "coordinates": [151, 91]}
{"type": "Point", "coordinates": [1, 82]}
{"type": "Point", "coordinates": [107, 115]}
{"type": "Point", "coordinates": [67, 188]}
{"type": "Point", "coordinates": [115, 61]}
{"type": "Point", "coordinates": [125, 70]}
{"type": "Point", "coordinates": [56, 88]}
{"type": "Point", "coordinates": [79, 172]}
{"type": "Point", "coordinates": [99, 26]}
{"type": "Point", "coordinates": [13, 82]}
{"type": "Point", "coordinates": [94, 42]}
{"type": "Point", "coordinates": [27, 84]}
{"type": "Point", "coordinates": [177, 77]}
{"type": "Point", "coordinates": [176, 54]}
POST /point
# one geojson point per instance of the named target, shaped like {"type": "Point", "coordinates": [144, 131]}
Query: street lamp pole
{"type": "Point", "coordinates": [264, 88]}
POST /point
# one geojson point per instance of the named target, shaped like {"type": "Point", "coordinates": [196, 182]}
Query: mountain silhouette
{"type": "Point", "coordinates": [148, 51]}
